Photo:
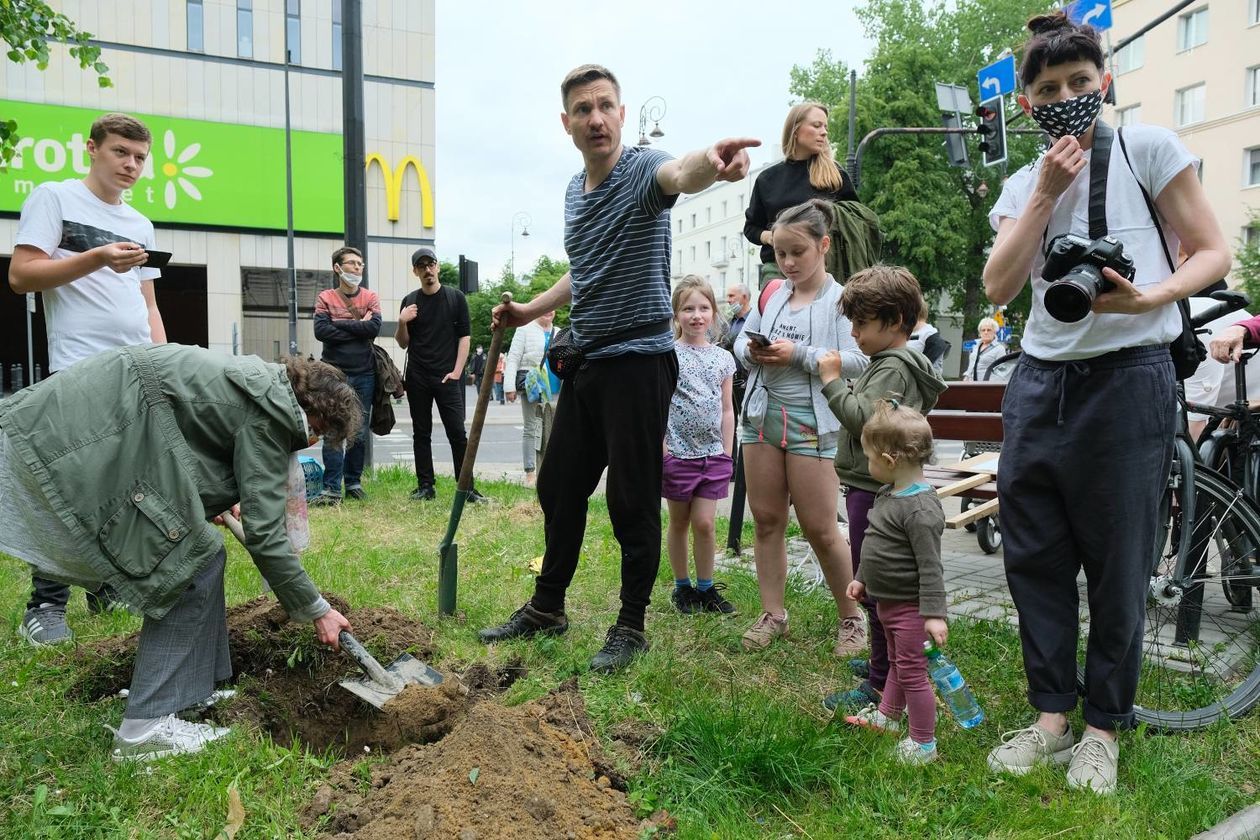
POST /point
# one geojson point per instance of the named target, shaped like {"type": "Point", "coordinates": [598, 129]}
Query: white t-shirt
{"type": "Point", "coordinates": [104, 309]}
{"type": "Point", "coordinates": [1157, 156]}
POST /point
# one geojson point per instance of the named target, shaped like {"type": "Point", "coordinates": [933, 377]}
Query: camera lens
{"type": "Point", "coordinates": [1070, 298]}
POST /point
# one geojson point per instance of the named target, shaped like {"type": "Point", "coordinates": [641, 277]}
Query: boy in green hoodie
{"type": "Point", "coordinates": [883, 303]}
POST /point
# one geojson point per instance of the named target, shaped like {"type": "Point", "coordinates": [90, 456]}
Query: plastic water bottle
{"type": "Point", "coordinates": [953, 688]}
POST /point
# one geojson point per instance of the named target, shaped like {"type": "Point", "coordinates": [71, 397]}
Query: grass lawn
{"type": "Point", "coordinates": [746, 749]}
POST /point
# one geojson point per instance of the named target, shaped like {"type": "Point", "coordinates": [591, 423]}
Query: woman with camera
{"type": "Point", "coordinates": [1088, 414]}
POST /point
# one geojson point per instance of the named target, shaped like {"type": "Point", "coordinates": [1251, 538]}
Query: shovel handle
{"type": "Point", "coordinates": [465, 477]}
{"type": "Point", "coordinates": [366, 661]}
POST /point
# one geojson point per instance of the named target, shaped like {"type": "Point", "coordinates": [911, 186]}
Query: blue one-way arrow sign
{"type": "Point", "coordinates": [998, 79]}
{"type": "Point", "coordinates": [1096, 13]}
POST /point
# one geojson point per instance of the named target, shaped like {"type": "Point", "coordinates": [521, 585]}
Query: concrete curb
{"type": "Point", "coordinates": [1245, 825]}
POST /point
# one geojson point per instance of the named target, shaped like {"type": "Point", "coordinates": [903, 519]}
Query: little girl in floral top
{"type": "Point", "coordinates": [698, 442]}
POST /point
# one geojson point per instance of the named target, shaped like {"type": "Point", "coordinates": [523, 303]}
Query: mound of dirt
{"type": "Point", "coordinates": [530, 771]}
{"type": "Point", "coordinates": [287, 683]}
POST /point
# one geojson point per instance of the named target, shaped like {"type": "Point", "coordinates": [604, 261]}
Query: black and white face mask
{"type": "Point", "coordinates": [1070, 116]}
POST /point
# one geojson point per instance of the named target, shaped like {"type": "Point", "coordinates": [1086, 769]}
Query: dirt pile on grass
{"type": "Point", "coordinates": [287, 682]}
{"type": "Point", "coordinates": [530, 771]}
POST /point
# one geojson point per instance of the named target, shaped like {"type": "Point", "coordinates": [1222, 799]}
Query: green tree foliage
{"type": "Point", "coordinates": [934, 221]}
{"type": "Point", "coordinates": [1248, 259]}
{"type": "Point", "coordinates": [26, 28]}
{"type": "Point", "coordinates": [543, 276]}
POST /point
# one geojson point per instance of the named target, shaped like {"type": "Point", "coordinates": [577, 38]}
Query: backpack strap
{"type": "Point", "coordinates": [767, 293]}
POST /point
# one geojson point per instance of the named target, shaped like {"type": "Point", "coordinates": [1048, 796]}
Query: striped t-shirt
{"type": "Point", "coordinates": [618, 241]}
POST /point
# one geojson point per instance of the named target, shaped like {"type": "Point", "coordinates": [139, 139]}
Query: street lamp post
{"type": "Point", "coordinates": [525, 221]}
{"type": "Point", "coordinates": [654, 110]}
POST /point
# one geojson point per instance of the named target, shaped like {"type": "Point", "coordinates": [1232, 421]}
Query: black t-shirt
{"type": "Point", "coordinates": [433, 337]}
{"type": "Point", "coordinates": [778, 187]}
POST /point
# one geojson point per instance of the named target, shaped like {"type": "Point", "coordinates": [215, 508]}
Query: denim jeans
{"type": "Point", "coordinates": [350, 461]}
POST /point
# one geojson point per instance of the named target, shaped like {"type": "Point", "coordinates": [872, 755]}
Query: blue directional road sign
{"type": "Point", "coordinates": [1096, 13]}
{"type": "Point", "coordinates": [998, 79]}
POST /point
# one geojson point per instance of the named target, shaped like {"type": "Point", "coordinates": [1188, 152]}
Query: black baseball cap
{"type": "Point", "coordinates": [421, 253]}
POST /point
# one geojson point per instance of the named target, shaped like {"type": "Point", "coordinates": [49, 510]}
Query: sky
{"type": "Point", "coordinates": [721, 67]}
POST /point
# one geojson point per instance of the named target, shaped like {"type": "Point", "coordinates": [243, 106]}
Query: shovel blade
{"type": "Point", "coordinates": [405, 670]}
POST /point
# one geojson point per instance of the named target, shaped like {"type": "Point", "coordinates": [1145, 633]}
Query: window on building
{"type": "Point", "coordinates": [336, 34]}
{"type": "Point", "coordinates": [693, 254]}
{"type": "Point", "coordinates": [708, 249]}
{"type": "Point", "coordinates": [693, 221]}
{"type": "Point", "coordinates": [1253, 12]}
{"type": "Point", "coordinates": [293, 29]}
{"type": "Point", "coordinates": [723, 208]}
{"type": "Point", "coordinates": [1188, 105]}
{"type": "Point", "coordinates": [708, 215]}
{"type": "Point", "coordinates": [678, 258]}
{"type": "Point", "coordinates": [723, 254]}
{"type": "Point", "coordinates": [245, 28]}
{"type": "Point", "coordinates": [722, 280]}
{"type": "Point", "coordinates": [1251, 167]}
{"type": "Point", "coordinates": [267, 289]}
{"type": "Point", "coordinates": [1192, 29]}
{"type": "Point", "coordinates": [1132, 55]}
{"type": "Point", "coordinates": [1251, 235]}
{"type": "Point", "coordinates": [196, 26]}
{"type": "Point", "coordinates": [1252, 86]}
{"type": "Point", "coordinates": [680, 225]}
{"type": "Point", "coordinates": [1129, 115]}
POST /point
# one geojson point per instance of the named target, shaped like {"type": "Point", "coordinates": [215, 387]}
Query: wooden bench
{"type": "Point", "coordinates": [968, 411]}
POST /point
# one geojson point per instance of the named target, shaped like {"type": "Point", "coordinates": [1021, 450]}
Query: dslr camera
{"type": "Point", "coordinates": [1074, 270]}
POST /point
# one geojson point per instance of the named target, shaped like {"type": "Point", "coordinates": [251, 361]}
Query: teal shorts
{"type": "Point", "coordinates": [790, 428]}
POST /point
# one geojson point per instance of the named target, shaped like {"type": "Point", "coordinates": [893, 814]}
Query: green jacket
{"type": "Point", "coordinates": [136, 447]}
{"type": "Point", "coordinates": [856, 240]}
{"type": "Point", "coordinates": [903, 373]}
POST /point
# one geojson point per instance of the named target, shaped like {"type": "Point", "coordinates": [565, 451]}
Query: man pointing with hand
{"type": "Point", "coordinates": [612, 413]}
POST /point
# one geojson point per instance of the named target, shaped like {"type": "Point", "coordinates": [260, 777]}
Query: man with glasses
{"type": "Point", "coordinates": [347, 321]}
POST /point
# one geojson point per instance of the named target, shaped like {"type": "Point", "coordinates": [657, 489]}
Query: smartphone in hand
{"type": "Point", "coordinates": [157, 259]}
{"type": "Point", "coordinates": [757, 338]}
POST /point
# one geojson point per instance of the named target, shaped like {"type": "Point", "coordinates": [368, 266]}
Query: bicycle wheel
{"type": "Point", "coordinates": [1223, 457]}
{"type": "Point", "coordinates": [1201, 654]}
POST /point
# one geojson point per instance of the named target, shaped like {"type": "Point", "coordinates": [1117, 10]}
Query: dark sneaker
{"type": "Point", "coordinates": [45, 625]}
{"type": "Point", "coordinates": [475, 498]}
{"type": "Point", "coordinates": [104, 600]}
{"type": "Point", "coordinates": [325, 499]}
{"type": "Point", "coordinates": [711, 600]}
{"type": "Point", "coordinates": [686, 599]}
{"type": "Point", "coordinates": [524, 623]}
{"type": "Point", "coordinates": [621, 646]}
{"type": "Point", "coordinates": [356, 493]}
{"type": "Point", "coordinates": [861, 668]}
{"type": "Point", "coordinates": [854, 699]}
{"type": "Point", "coordinates": [423, 494]}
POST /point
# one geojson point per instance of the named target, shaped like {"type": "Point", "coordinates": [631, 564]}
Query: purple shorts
{"type": "Point", "coordinates": [686, 478]}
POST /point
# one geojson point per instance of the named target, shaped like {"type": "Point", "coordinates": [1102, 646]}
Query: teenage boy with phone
{"type": "Point", "coordinates": [85, 250]}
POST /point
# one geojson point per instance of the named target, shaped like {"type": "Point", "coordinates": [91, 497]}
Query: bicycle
{"type": "Point", "coordinates": [1201, 646]}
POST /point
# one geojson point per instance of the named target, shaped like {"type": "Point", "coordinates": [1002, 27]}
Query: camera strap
{"type": "Point", "coordinates": [1099, 163]}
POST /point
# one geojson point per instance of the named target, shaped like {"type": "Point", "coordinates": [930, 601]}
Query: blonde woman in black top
{"type": "Point", "coordinates": [807, 171]}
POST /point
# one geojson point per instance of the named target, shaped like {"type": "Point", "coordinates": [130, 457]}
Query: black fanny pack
{"type": "Point", "coordinates": [565, 358]}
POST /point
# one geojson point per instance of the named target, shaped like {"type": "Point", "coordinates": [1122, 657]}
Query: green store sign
{"type": "Point", "coordinates": [198, 173]}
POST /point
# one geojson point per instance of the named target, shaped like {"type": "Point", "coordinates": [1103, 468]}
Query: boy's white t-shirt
{"type": "Point", "coordinates": [1157, 156]}
{"type": "Point", "coordinates": [101, 310]}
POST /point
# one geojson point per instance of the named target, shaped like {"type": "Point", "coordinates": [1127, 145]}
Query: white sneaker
{"type": "Point", "coordinates": [170, 736]}
{"type": "Point", "coordinates": [217, 696]}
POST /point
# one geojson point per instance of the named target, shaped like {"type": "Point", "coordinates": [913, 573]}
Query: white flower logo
{"type": "Point", "coordinates": [175, 170]}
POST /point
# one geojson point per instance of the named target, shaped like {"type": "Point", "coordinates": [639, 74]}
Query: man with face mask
{"type": "Point", "coordinates": [347, 320]}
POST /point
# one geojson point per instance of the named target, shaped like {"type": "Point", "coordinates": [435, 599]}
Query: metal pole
{"type": "Point", "coordinates": [512, 248]}
{"type": "Point", "coordinates": [735, 532]}
{"type": "Point", "coordinates": [30, 339]}
{"type": "Point", "coordinates": [856, 174]}
{"type": "Point", "coordinates": [288, 193]}
{"type": "Point", "coordinates": [353, 146]}
{"type": "Point", "coordinates": [852, 161]}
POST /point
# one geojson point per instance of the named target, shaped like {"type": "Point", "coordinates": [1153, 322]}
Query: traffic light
{"type": "Point", "coordinates": [992, 130]}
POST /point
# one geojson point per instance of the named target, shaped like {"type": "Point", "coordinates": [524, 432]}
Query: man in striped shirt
{"type": "Point", "coordinates": [613, 413]}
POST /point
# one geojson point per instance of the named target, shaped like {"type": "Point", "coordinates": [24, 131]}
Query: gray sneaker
{"type": "Point", "coordinates": [45, 625]}
{"type": "Point", "coordinates": [171, 736]}
{"type": "Point", "coordinates": [1093, 765]}
{"type": "Point", "coordinates": [1023, 749]}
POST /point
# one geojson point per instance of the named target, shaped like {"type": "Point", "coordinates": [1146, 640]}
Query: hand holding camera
{"type": "Point", "coordinates": [1080, 269]}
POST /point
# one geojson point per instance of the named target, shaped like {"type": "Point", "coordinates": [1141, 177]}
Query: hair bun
{"type": "Point", "coordinates": [1045, 24]}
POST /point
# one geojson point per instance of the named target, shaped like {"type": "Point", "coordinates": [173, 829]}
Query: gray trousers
{"type": "Point", "coordinates": [181, 657]}
{"type": "Point", "coordinates": [536, 421]}
{"type": "Point", "coordinates": [1085, 459]}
